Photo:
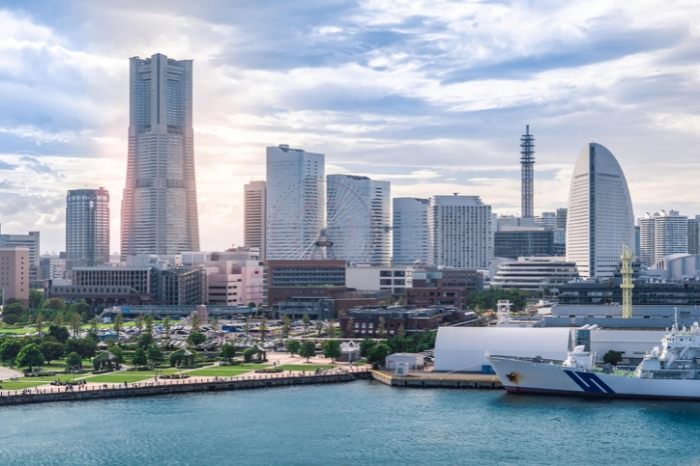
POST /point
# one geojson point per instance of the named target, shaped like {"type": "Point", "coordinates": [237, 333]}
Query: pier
{"type": "Point", "coordinates": [429, 379]}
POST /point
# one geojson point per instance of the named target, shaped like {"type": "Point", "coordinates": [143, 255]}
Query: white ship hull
{"type": "Point", "coordinates": [523, 376]}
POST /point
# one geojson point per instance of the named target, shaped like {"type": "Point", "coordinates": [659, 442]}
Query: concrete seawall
{"type": "Point", "coordinates": [53, 394]}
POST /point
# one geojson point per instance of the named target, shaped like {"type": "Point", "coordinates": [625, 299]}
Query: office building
{"type": "Point", "coordinates": [87, 227]}
{"type": "Point", "coordinates": [600, 220]}
{"type": "Point", "coordinates": [254, 215]}
{"type": "Point", "coordinates": [693, 236]}
{"type": "Point", "coordinates": [358, 219]}
{"type": "Point", "coordinates": [670, 234]}
{"type": "Point", "coordinates": [159, 205]}
{"type": "Point", "coordinates": [295, 203]}
{"type": "Point", "coordinates": [410, 230]}
{"type": "Point", "coordinates": [460, 232]}
{"type": "Point", "coordinates": [514, 242]}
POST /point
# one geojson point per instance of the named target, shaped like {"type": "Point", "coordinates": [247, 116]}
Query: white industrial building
{"type": "Point", "coordinates": [463, 349]}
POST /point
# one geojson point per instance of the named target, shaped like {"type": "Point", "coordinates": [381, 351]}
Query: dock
{"type": "Point", "coordinates": [429, 379]}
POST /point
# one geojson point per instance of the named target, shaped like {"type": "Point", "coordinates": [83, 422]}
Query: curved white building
{"type": "Point", "coordinates": [600, 218]}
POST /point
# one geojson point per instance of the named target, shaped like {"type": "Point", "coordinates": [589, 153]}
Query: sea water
{"type": "Point", "coordinates": [363, 423]}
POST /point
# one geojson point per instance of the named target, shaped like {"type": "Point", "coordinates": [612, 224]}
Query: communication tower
{"type": "Point", "coordinates": [527, 161]}
{"type": "Point", "coordinates": [627, 284]}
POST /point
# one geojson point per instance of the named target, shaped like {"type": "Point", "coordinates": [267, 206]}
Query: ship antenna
{"type": "Point", "coordinates": [675, 319]}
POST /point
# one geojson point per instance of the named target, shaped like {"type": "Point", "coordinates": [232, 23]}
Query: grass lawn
{"type": "Point", "coordinates": [129, 376]}
{"type": "Point", "coordinates": [226, 371]}
{"type": "Point", "coordinates": [303, 367]}
{"type": "Point", "coordinates": [16, 331]}
{"type": "Point", "coordinates": [21, 385]}
{"type": "Point", "coordinates": [48, 378]}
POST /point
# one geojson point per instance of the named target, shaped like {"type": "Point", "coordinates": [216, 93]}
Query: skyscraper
{"type": "Point", "coordinates": [295, 203]}
{"type": "Point", "coordinates": [87, 227]}
{"type": "Point", "coordinates": [646, 238]}
{"type": "Point", "coordinates": [254, 215]}
{"type": "Point", "coordinates": [600, 218]}
{"type": "Point", "coordinates": [410, 230]}
{"type": "Point", "coordinates": [159, 205]}
{"type": "Point", "coordinates": [460, 232]}
{"type": "Point", "coordinates": [358, 219]}
{"type": "Point", "coordinates": [670, 234]}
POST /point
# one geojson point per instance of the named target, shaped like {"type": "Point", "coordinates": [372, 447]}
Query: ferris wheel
{"type": "Point", "coordinates": [319, 219]}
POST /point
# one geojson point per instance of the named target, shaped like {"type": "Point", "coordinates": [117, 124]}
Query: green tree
{"type": "Point", "coordinates": [308, 349]}
{"type": "Point", "coordinates": [262, 330]}
{"type": "Point", "coordinates": [81, 307]}
{"type": "Point", "coordinates": [118, 324]}
{"type": "Point", "coordinates": [612, 357]}
{"type": "Point", "coordinates": [248, 353]}
{"type": "Point", "coordinates": [246, 327]}
{"type": "Point", "coordinates": [145, 340]}
{"type": "Point", "coordinates": [228, 352]}
{"type": "Point", "coordinates": [39, 324]}
{"type": "Point", "coordinates": [9, 349]}
{"type": "Point", "coordinates": [319, 327]}
{"type": "Point", "coordinates": [36, 299]}
{"type": "Point", "coordinates": [398, 344]}
{"type": "Point", "coordinates": [167, 326]}
{"type": "Point", "coordinates": [85, 347]}
{"type": "Point", "coordinates": [331, 329]}
{"type": "Point", "coordinates": [401, 331]}
{"type": "Point", "coordinates": [95, 325]}
{"type": "Point", "coordinates": [117, 351]}
{"type": "Point", "coordinates": [331, 349]}
{"type": "Point", "coordinates": [293, 346]}
{"type": "Point", "coordinates": [74, 361]}
{"type": "Point", "coordinates": [57, 304]}
{"type": "Point", "coordinates": [140, 358]}
{"type": "Point", "coordinates": [196, 338]}
{"type": "Point", "coordinates": [30, 356]}
{"type": "Point", "coordinates": [59, 333]}
{"type": "Point", "coordinates": [51, 350]}
{"type": "Point", "coordinates": [75, 324]}
{"type": "Point", "coordinates": [286, 326]}
{"type": "Point", "coordinates": [401, 301]}
{"type": "Point", "coordinates": [139, 323]}
{"type": "Point", "coordinates": [378, 353]}
{"type": "Point", "coordinates": [307, 322]}
{"type": "Point", "coordinates": [155, 354]}
{"type": "Point", "coordinates": [148, 322]}
{"type": "Point", "coordinates": [196, 322]}
{"type": "Point", "coordinates": [381, 328]}
{"type": "Point", "coordinates": [215, 324]}
{"type": "Point", "coordinates": [12, 309]}
{"type": "Point", "coordinates": [365, 346]}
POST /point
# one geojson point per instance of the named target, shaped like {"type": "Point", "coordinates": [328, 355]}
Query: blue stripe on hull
{"type": "Point", "coordinates": [545, 391]}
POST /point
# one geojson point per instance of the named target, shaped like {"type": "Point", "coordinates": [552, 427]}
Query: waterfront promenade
{"type": "Point", "coordinates": [151, 387]}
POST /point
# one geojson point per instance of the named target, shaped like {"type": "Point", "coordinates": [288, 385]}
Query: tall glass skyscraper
{"type": "Point", "coordinates": [159, 206]}
{"type": "Point", "coordinates": [600, 218]}
{"type": "Point", "coordinates": [87, 227]}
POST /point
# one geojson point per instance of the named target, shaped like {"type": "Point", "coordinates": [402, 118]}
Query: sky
{"type": "Point", "coordinates": [432, 96]}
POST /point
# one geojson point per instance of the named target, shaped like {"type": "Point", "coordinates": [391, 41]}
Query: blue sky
{"type": "Point", "coordinates": [430, 95]}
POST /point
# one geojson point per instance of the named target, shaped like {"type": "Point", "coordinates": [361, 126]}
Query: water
{"type": "Point", "coordinates": [347, 424]}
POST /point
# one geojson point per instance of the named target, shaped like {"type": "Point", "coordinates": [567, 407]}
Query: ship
{"type": "Point", "coordinates": [671, 371]}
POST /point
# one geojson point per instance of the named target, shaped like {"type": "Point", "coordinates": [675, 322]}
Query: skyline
{"type": "Point", "coordinates": [431, 96]}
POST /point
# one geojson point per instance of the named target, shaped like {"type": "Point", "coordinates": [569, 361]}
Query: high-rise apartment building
{"type": "Point", "coordinates": [410, 230]}
{"type": "Point", "coordinates": [561, 217]}
{"type": "Point", "coordinates": [295, 203]}
{"type": "Point", "coordinates": [694, 235]}
{"type": "Point", "coordinates": [460, 232]}
{"type": "Point", "coordinates": [87, 227]}
{"type": "Point", "coordinates": [14, 273]}
{"type": "Point", "coordinates": [358, 219]}
{"type": "Point", "coordinates": [31, 241]}
{"type": "Point", "coordinates": [670, 234]}
{"type": "Point", "coordinates": [254, 215]}
{"type": "Point", "coordinates": [600, 220]}
{"type": "Point", "coordinates": [647, 224]}
{"type": "Point", "coordinates": [159, 205]}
